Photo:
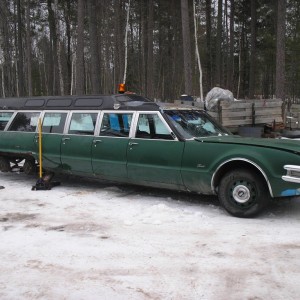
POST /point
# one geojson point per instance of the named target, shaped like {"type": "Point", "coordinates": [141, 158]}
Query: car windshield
{"type": "Point", "coordinates": [195, 123]}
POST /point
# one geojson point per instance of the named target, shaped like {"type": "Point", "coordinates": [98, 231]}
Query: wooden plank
{"type": "Point", "coordinates": [237, 122]}
{"type": "Point", "coordinates": [265, 120]}
{"type": "Point", "coordinates": [243, 113]}
{"type": "Point", "coordinates": [268, 105]}
{"type": "Point", "coordinates": [295, 108]}
{"type": "Point", "coordinates": [248, 104]}
{"type": "Point", "coordinates": [266, 112]}
{"type": "Point", "coordinates": [248, 121]}
{"type": "Point", "coordinates": [234, 105]}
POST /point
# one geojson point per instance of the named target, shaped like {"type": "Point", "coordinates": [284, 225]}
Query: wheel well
{"type": "Point", "coordinates": [237, 164]}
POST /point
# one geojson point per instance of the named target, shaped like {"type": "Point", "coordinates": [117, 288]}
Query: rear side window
{"type": "Point", "coordinates": [4, 118]}
{"type": "Point", "coordinates": [150, 126]}
{"type": "Point", "coordinates": [116, 124]}
{"type": "Point", "coordinates": [54, 122]}
{"type": "Point", "coordinates": [83, 123]}
{"type": "Point", "coordinates": [25, 121]}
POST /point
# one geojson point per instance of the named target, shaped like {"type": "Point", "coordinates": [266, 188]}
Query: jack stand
{"type": "Point", "coordinates": [44, 183]}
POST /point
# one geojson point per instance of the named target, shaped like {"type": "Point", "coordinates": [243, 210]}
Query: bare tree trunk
{"type": "Point", "coordinates": [95, 64]}
{"type": "Point", "coordinates": [240, 64]}
{"type": "Point", "coordinates": [143, 41]}
{"type": "Point", "coordinates": [126, 43]}
{"type": "Point", "coordinates": [186, 47]}
{"type": "Point", "coordinates": [219, 44]}
{"type": "Point", "coordinates": [280, 46]}
{"type": "Point", "coordinates": [208, 45]}
{"type": "Point", "coordinates": [6, 46]}
{"type": "Point", "coordinates": [28, 49]}
{"type": "Point", "coordinates": [80, 50]}
{"type": "Point", "coordinates": [197, 52]}
{"type": "Point", "coordinates": [67, 18]}
{"type": "Point", "coordinates": [231, 47]}
{"type": "Point", "coordinates": [58, 49]}
{"type": "Point", "coordinates": [20, 52]}
{"type": "Point", "coordinates": [54, 70]}
{"type": "Point", "coordinates": [118, 45]}
{"type": "Point", "coordinates": [253, 50]}
{"type": "Point", "coordinates": [150, 62]}
{"type": "Point", "coordinates": [2, 82]}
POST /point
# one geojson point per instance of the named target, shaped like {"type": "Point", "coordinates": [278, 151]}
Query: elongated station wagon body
{"type": "Point", "coordinates": [128, 138]}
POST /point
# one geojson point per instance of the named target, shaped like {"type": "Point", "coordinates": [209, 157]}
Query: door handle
{"type": "Point", "coordinates": [95, 142]}
{"type": "Point", "coordinates": [65, 139]}
{"type": "Point", "coordinates": [133, 144]}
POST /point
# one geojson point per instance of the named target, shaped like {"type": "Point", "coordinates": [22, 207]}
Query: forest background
{"type": "Point", "coordinates": [64, 47]}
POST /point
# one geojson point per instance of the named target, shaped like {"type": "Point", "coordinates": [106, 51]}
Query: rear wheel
{"type": "Point", "coordinates": [4, 164]}
{"type": "Point", "coordinates": [243, 193]}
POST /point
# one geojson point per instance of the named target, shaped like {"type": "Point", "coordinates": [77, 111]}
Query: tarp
{"type": "Point", "coordinates": [216, 94]}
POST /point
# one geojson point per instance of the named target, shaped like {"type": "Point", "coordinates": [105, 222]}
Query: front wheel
{"type": "Point", "coordinates": [243, 193]}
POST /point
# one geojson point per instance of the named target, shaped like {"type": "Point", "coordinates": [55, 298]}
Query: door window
{"type": "Point", "coordinates": [150, 126]}
{"type": "Point", "coordinates": [83, 123]}
{"type": "Point", "coordinates": [54, 122]}
{"type": "Point", "coordinates": [4, 118]}
{"type": "Point", "coordinates": [25, 121]}
{"type": "Point", "coordinates": [116, 124]}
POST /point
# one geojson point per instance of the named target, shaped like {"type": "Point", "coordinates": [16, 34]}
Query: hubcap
{"type": "Point", "coordinates": [241, 194]}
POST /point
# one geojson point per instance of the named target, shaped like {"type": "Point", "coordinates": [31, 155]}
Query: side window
{"type": "Point", "coordinates": [25, 121]}
{"type": "Point", "coordinates": [116, 124]}
{"type": "Point", "coordinates": [150, 126]}
{"type": "Point", "coordinates": [4, 118]}
{"type": "Point", "coordinates": [54, 122]}
{"type": "Point", "coordinates": [83, 123]}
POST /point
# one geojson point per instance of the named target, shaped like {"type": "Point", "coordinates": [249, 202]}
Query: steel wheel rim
{"type": "Point", "coordinates": [243, 193]}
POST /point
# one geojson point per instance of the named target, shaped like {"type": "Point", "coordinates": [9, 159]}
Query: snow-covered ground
{"type": "Point", "coordinates": [100, 240]}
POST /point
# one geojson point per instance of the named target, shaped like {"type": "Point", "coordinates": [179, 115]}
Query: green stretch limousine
{"type": "Point", "coordinates": [129, 138]}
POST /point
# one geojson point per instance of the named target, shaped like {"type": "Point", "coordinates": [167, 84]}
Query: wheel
{"type": "Point", "coordinates": [4, 164]}
{"type": "Point", "coordinates": [243, 193]}
{"type": "Point", "coordinates": [29, 167]}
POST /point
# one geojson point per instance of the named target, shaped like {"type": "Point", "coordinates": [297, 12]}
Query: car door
{"type": "Point", "coordinates": [52, 132]}
{"type": "Point", "coordinates": [154, 153]}
{"type": "Point", "coordinates": [76, 144]}
{"type": "Point", "coordinates": [109, 151]}
{"type": "Point", "coordinates": [20, 135]}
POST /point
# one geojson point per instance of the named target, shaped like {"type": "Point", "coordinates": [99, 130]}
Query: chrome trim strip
{"type": "Point", "coordinates": [246, 160]}
{"type": "Point", "coordinates": [290, 179]}
{"type": "Point", "coordinates": [292, 168]}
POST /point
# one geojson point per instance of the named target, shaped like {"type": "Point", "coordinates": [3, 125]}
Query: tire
{"type": "Point", "coordinates": [4, 164]}
{"type": "Point", "coordinates": [243, 193]}
{"type": "Point", "coordinates": [29, 167]}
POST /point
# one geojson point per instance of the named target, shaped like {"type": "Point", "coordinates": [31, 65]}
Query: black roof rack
{"type": "Point", "coordinates": [88, 102]}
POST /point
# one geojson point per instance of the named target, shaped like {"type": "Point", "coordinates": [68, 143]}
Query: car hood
{"type": "Point", "coordinates": [280, 144]}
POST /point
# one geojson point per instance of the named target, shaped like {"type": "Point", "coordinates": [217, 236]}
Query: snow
{"type": "Point", "coordinates": [101, 240]}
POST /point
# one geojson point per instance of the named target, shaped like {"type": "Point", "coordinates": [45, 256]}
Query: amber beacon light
{"type": "Point", "coordinates": [122, 88]}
